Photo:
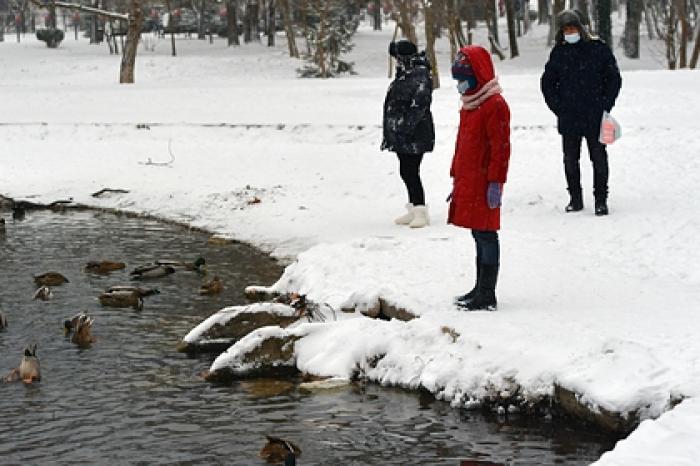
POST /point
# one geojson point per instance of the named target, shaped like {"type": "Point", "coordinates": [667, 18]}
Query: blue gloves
{"type": "Point", "coordinates": [493, 194]}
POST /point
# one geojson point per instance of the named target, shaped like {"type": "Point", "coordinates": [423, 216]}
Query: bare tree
{"type": "Point", "coordinates": [172, 26]}
{"type": "Point", "coordinates": [682, 7]}
{"type": "Point", "coordinates": [289, 29]}
{"type": "Point", "coordinates": [405, 20]}
{"type": "Point", "coordinates": [631, 34]}
{"type": "Point", "coordinates": [604, 27]}
{"type": "Point", "coordinates": [510, 17]}
{"type": "Point", "coordinates": [429, 16]}
{"type": "Point", "coordinates": [696, 48]}
{"type": "Point", "coordinates": [133, 34]}
{"type": "Point", "coordinates": [232, 31]}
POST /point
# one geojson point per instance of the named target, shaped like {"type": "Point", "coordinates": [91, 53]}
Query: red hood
{"type": "Point", "coordinates": [480, 61]}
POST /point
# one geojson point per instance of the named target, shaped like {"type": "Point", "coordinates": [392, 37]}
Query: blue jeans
{"type": "Point", "coordinates": [487, 247]}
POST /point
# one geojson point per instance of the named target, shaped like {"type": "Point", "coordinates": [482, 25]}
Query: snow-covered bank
{"type": "Point", "coordinates": [607, 307]}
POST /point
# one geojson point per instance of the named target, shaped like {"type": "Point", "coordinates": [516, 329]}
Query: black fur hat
{"type": "Point", "coordinates": [402, 47]}
{"type": "Point", "coordinates": [570, 18]}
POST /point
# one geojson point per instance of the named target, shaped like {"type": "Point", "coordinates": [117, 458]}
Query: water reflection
{"type": "Point", "coordinates": [130, 398]}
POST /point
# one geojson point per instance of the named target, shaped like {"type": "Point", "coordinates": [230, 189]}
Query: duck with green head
{"type": "Point", "coordinates": [123, 298]}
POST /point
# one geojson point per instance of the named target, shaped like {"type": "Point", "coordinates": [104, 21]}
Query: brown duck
{"type": "Point", "coordinates": [278, 450]}
{"type": "Point", "coordinates": [122, 299]}
{"type": "Point", "coordinates": [82, 324]}
{"type": "Point", "coordinates": [50, 279]}
{"type": "Point", "coordinates": [213, 286]}
{"type": "Point", "coordinates": [104, 267]}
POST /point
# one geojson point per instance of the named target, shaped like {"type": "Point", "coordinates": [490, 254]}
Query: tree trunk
{"type": "Point", "coordinates": [604, 24]}
{"type": "Point", "coordinates": [429, 16]}
{"type": "Point", "coordinates": [377, 15]}
{"type": "Point", "coordinates": [172, 31]}
{"type": "Point", "coordinates": [696, 48]}
{"type": "Point", "coordinates": [51, 19]}
{"type": "Point", "coordinates": [289, 29]}
{"type": "Point", "coordinates": [271, 23]}
{"type": "Point", "coordinates": [409, 32]}
{"type": "Point", "coordinates": [200, 29]}
{"type": "Point", "coordinates": [557, 7]}
{"type": "Point", "coordinates": [683, 49]}
{"type": "Point", "coordinates": [542, 11]}
{"type": "Point", "coordinates": [670, 38]}
{"type": "Point", "coordinates": [510, 18]}
{"type": "Point", "coordinates": [452, 21]}
{"type": "Point", "coordinates": [133, 33]}
{"type": "Point", "coordinates": [631, 34]}
{"type": "Point", "coordinates": [232, 32]}
{"type": "Point", "coordinates": [320, 40]}
{"type": "Point", "coordinates": [648, 20]}
{"type": "Point", "coordinates": [492, 20]}
{"type": "Point", "coordinates": [526, 16]}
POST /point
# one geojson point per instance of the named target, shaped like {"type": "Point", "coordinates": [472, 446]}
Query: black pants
{"type": "Point", "coordinates": [488, 250]}
{"type": "Point", "coordinates": [409, 169]}
{"type": "Point", "coordinates": [599, 157]}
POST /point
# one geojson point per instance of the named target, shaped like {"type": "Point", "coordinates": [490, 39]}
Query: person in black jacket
{"type": "Point", "coordinates": [580, 81]}
{"type": "Point", "coordinates": [408, 124]}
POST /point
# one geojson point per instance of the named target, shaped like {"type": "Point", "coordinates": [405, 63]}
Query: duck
{"type": "Point", "coordinates": [278, 450]}
{"type": "Point", "coordinates": [44, 293]}
{"type": "Point", "coordinates": [123, 298]}
{"type": "Point", "coordinates": [143, 292]}
{"type": "Point", "coordinates": [199, 265]}
{"type": "Point", "coordinates": [104, 267]}
{"type": "Point", "coordinates": [213, 286]}
{"type": "Point", "coordinates": [83, 330]}
{"type": "Point", "coordinates": [70, 324]}
{"type": "Point", "coordinates": [29, 369]}
{"type": "Point", "coordinates": [3, 321]}
{"type": "Point", "coordinates": [151, 271]}
{"type": "Point", "coordinates": [50, 279]}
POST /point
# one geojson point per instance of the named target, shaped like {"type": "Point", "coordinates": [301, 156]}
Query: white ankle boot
{"type": "Point", "coordinates": [406, 218]}
{"type": "Point", "coordinates": [420, 217]}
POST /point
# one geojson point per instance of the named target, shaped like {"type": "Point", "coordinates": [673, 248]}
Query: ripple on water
{"type": "Point", "coordinates": [130, 398]}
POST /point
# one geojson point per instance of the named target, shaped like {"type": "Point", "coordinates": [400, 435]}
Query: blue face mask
{"type": "Point", "coordinates": [572, 38]}
{"type": "Point", "coordinates": [464, 86]}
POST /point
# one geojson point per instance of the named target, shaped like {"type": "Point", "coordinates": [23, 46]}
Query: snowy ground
{"type": "Point", "coordinates": [607, 307]}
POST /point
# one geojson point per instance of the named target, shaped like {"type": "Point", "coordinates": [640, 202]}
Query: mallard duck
{"type": "Point", "coordinates": [103, 267]}
{"type": "Point", "coordinates": [29, 369]}
{"type": "Point", "coordinates": [70, 324]}
{"type": "Point", "coordinates": [199, 265]}
{"type": "Point", "coordinates": [44, 293]}
{"type": "Point", "coordinates": [277, 450]}
{"type": "Point", "coordinates": [3, 321]}
{"type": "Point", "coordinates": [122, 299]}
{"type": "Point", "coordinates": [143, 292]}
{"type": "Point", "coordinates": [151, 271]}
{"type": "Point", "coordinates": [50, 279]}
{"type": "Point", "coordinates": [83, 331]}
{"type": "Point", "coordinates": [213, 286]}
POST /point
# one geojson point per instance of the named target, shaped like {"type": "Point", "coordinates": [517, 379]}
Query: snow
{"type": "Point", "coordinates": [607, 307]}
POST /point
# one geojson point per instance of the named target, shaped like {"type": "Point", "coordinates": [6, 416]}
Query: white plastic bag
{"type": "Point", "coordinates": [610, 130]}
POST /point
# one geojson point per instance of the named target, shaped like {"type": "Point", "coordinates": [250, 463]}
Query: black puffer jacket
{"type": "Point", "coordinates": [580, 81]}
{"type": "Point", "coordinates": [408, 123]}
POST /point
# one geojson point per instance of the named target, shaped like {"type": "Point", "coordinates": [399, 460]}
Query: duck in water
{"type": "Point", "coordinates": [213, 286]}
{"type": "Point", "coordinates": [44, 293]}
{"type": "Point", "coordinates": [50, 279]}
{"type": "Point", "coordinates": [199, 265]}
{"type": "Point", "coordinates": [29, 370]}
{"type": "Point", "coordinates": [81, 325]}
{"type": "Point", "coordinates": [104, 267]}
{"type": "Point", "coordinates": [122, 298]}
{"type": "Point", "coordinates": [151, 271]}
{"type": "Point", "coordinates": [278, 450]}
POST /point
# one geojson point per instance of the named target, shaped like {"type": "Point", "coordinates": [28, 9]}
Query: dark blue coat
{"type": "Point", "coordinates": [408, 123]}
{"type": "Point", "coordinates": [579, 82]}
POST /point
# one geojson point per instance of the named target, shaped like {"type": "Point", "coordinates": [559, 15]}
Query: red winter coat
{"type": "Point", "coordinates": [482, 152]}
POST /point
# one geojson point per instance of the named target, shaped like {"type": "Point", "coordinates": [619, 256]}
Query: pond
{"type": "Point", "coordinates": [131, 398]}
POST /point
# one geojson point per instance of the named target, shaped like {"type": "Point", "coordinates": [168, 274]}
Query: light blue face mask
{"type": "Point", "coordinates": [572, 38]}
{"type": "Point", "coordinates": [463, 86]}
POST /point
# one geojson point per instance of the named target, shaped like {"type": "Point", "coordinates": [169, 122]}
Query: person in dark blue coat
{"type": "Point", "coordinates": [580, 81]}
{"type": "Point", "coordinates": [408, 124]}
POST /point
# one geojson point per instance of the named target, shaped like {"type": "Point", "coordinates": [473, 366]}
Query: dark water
{"type": "Point", "coordinates": [132, 399]}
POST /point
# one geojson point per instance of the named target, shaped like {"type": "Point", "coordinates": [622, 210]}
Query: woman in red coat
{"type": "Point", "coordinates": [479, 168]}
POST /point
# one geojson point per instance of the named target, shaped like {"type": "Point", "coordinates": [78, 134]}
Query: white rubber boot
{"type": "Point", "coordinates": [406, 218]}
{"type": "Point", "coordinates": [420, 217]}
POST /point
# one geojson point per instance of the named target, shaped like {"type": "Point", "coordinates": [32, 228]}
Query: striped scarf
{"type": "Point", "coordinates": [470, 102]}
